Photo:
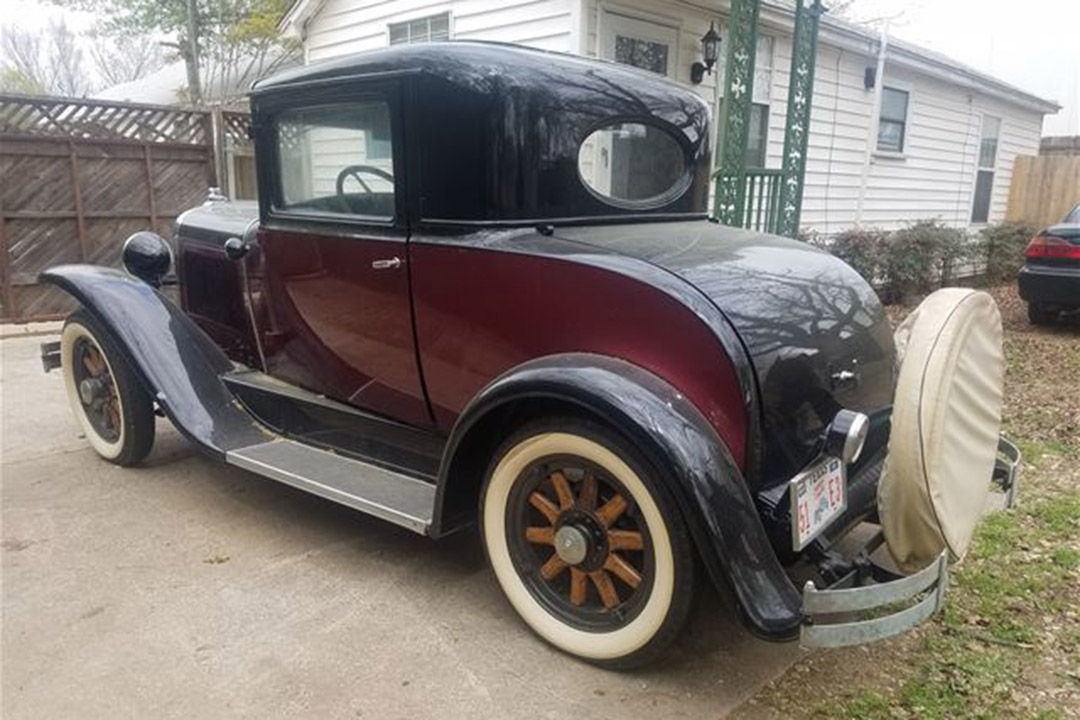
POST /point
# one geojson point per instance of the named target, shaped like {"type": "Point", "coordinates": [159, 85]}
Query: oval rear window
{"type": "Point", "coordinates": [634, 164]}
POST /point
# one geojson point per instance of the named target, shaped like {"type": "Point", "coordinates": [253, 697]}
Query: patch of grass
{"type": "Point", "coordinates": [1034, 452]}
{"type": "Point", "coordinates": [864, 705]}
{"type": "Point", "coordinates": [961, 679]}
{"type": "Point", "coordinates": [1021, 566]}
{"type": "Point", "coordinates": [216, 559]}
{"type": "Point", "coordinates": [1065, 557]}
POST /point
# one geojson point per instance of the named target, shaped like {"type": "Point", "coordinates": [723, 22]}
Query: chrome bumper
{"type": "Point", "coordinates": [820, 606]}
{"type": "Point", "coordinates": [825, 612]}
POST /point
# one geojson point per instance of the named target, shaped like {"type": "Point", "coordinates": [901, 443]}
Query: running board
{"type": "Point", "coordinates": [390, 496]}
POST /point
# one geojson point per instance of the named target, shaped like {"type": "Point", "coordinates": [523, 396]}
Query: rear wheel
{"type": "Point", "coordinates": [589, 549]}
{"type": "Point", "coordinates": [115, 412]}
{"type": "Point", "coordinates": [1038, 314]}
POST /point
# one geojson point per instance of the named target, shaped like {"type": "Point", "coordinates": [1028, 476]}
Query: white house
{"type": "Point", "coordinates": [942, 145]}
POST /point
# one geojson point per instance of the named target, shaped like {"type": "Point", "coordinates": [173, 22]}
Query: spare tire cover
{"type": "Point", "coordinates": [945, 422]}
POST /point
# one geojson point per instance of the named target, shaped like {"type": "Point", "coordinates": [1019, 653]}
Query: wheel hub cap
{"type": "Point", "coordinates": [571, 545]}
{"type": "Point", "coordinates": [89, 390]}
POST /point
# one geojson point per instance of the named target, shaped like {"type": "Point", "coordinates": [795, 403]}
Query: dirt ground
{"type": "Point", "coordinates": [1008, 644]}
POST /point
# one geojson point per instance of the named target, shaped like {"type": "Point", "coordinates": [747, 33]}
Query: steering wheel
{"type": "Point", "coordinates": [355, 170]}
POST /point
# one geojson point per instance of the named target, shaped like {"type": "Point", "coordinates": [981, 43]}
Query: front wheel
{"type": "Point", "coordinates": [588, 547]}
{"type": "Point", "coordinates": [115, 412]}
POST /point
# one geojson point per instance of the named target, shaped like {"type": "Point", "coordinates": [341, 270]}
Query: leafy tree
{"type": "Point", "coordinates": [224, 43]}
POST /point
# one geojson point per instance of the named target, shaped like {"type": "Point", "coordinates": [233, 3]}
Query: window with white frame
{"type": "Point", "coordinates": [758, 129]}
{"type": "Point", "coordinates": [892, 124]}
{"type": "Point", "coordinates": [425, 29]}
{"type": "Point", "coordinates": [984, 175]}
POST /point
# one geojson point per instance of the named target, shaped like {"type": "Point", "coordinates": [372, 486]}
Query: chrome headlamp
{"type": "Point", "coordinates": [846, 435]}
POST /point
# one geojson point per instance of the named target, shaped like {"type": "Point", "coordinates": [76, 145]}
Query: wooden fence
{"type": "Point", "coordinates": [79, 176]}
{"type": "Point", "coordinates": [1043, 188]}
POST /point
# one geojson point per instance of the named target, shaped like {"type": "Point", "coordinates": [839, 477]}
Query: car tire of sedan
{"type": "Point", "coordinates": [1039, 315]}
{"type": "Point", "coordinates": [115, 412]}
{"type": "Point", "coordinates": [589, 549]}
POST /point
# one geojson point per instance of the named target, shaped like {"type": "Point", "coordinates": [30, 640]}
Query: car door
{"type": "Point", "coordinates": [333, 282]}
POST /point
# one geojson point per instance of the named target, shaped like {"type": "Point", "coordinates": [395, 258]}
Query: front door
{"type": "Point", "coordinates": [333, 283]}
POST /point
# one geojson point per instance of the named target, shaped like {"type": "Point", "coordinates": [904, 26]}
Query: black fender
{"type": "Point", "coordinates": [710, 489]}
{"type": "Point", "coordinates": [177, 363]}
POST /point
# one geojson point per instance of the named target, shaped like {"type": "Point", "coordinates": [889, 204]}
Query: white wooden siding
{"type": "Point", "coordinates": [341, 27]}
{"type": "Point", "coordinates": [935, 177]}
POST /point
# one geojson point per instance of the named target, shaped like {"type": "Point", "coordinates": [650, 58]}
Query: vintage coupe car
{"type": "Point", "coordinates": [1050, 278]}
{"type": "Point", "coordinates": [480, 287]}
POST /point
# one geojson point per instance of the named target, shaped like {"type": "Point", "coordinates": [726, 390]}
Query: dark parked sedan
{"type": "Point", "coordinates": [1050, 281]}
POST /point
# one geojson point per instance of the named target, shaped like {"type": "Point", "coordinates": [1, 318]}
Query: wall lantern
{"type": "Point", "coordinates": [710, 51]}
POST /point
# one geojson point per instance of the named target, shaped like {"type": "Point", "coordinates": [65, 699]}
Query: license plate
{"type": "Point", "coordinates": [818, 496]}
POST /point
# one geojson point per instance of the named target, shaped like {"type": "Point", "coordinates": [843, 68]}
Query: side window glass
{"type": "Point", "coordinates": [336, 159]}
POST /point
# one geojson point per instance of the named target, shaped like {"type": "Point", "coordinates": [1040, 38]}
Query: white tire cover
{"type": "Point", "coordinates": [945, 422]}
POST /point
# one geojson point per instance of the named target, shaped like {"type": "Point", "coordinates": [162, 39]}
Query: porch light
{"type": "Point", "coordinates": [710, 51]}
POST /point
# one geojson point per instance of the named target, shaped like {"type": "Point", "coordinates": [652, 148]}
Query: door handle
{"type": "Point", "coordinates": [387, 264]}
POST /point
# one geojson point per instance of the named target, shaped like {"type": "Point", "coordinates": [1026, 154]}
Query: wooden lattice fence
{"type": "Point", "coordinates": [78, 176]}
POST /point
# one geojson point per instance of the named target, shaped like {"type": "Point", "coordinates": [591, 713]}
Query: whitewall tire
{"type": "Point", "coordinates": [588, 548]}
{"type": "Point", "coordinates": [114, 411]}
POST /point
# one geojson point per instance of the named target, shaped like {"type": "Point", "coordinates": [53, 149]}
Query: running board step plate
{"type": "Point", "coordinates": [390, 496]}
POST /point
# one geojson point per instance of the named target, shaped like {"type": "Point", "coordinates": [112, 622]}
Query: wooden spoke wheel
{"type": "Point", "coordinates": [579, 539]}
{"type": "Point", "coordinates": [114, 410]}
{"type": "Point", "coordinates": [97, 392]}
{"type": "Point", "coordinates": [589, 550]}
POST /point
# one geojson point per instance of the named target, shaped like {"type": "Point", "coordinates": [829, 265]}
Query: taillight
{"type": "Point", "coordinates": [1052, 246]}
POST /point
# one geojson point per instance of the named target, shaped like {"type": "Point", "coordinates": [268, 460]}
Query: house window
{"type": "Point", "coordinates": [892, 127]}
{"type": "Point", "coordinates": [757, 140]}
{"type": "Point", "coordinates": [984, 176]}
{"type": "Point", "coordinates": [425, 29]}
{"type": "Point", "coordinates": [757, 136]}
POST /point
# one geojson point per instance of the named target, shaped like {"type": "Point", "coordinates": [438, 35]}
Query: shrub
{"type": "Point", "coordinates": [1000, 248]}
{"type": "Point", "coordinates": [920, 257]}
{"type": "Point", "coordinates": [864, 249]}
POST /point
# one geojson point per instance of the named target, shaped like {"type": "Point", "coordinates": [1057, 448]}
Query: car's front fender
{"type": "Point", "coordinates": [176, 362]}
{"type": "Point", "coordinates": [680, 443]}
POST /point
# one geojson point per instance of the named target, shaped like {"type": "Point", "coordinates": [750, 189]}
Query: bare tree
{"type": "Point", "coordinates": [50, 61]}
{"type": "Point", "coordinates": [120, 62]}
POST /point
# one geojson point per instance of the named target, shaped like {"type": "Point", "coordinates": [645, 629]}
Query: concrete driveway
{"type": "Point", "coordinates": [187, 589]}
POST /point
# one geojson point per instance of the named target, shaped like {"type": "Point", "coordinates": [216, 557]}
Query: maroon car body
{"type": "Point", "coordinates": [493, 278]}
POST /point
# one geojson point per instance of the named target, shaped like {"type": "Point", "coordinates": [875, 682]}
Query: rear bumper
{"type": "Point", "coordinates": [1051, 285]}
{"type": "Point", "coordinates": [820, 607]}
{"type": "Point", "coordinates": [827, 613]}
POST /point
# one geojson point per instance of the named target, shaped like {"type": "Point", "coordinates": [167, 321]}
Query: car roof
{"type": "Point", "coordinates": [449, 58]}
{"type": "Point", "coordinates": [501, 126]}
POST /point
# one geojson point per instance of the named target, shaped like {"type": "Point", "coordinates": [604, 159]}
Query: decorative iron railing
{"type": "Point", "coordinates": [760, 200]}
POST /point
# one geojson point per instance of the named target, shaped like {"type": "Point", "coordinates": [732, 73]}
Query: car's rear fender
{"type": "Point", "coordinates": [175, 361]}
{"type": "Point", "coordinates": [680, 444]}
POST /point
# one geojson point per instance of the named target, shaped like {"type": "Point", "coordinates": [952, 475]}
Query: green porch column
{"type": "Point", "coordinates": [797, 130]}
{"type": "Point", "coordinates": [735, 118]}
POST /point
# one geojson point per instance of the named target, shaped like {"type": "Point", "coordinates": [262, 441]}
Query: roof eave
{"type": "Point", "coordinates": [292, 22]}
{"type": "Point", "coordinates": [849, 36]}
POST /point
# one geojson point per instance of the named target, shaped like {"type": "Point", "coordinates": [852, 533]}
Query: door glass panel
{"type": "Point", "coordinates": [336, 159]}
{"type": "Point", "coordinates": [645, 54]}
{"type": "Point", "coordinates": [639, 43]}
